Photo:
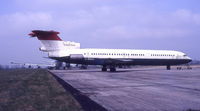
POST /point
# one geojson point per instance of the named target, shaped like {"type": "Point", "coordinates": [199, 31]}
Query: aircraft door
{"type": "Point", "coordinates": [178, 56]}
{"type": "Point", "coordinates": [88, 54]}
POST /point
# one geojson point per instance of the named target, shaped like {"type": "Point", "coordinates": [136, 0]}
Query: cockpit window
{"type": "Point", "coordinates": [184, 55]}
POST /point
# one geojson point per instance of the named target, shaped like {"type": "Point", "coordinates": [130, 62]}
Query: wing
{"type": "Point", "coordinates": [118, 61]}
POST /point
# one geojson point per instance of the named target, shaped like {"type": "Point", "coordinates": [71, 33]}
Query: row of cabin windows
{"type": "Point", "coordinates": [119, 54]}
{"type": "Point", "coordinates": [162, 55]}
{"type": "Point", "coordinates": [116, 54]}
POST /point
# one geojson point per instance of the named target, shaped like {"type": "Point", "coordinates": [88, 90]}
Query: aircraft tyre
{"type": "Point", "coordinates": [112, 69]}
{"type": "Point", "coordinates": [104, 69]}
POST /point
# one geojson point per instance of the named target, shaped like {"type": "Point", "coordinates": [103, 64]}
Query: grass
{"type": "Point", "coordinates": [33, 90]}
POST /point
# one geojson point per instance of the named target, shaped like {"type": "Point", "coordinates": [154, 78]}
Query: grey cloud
{"type": "Point", "coordinates": [110, 21]}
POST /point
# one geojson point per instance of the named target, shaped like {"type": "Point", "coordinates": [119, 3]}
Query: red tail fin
{"type": "Point", "coordinates": [45, 35]}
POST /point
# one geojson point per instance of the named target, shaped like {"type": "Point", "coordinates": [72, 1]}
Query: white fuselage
{"type": "Point", "coordinates": [121, 54]}
{"type": "Point", "coordinates": [119, 57]}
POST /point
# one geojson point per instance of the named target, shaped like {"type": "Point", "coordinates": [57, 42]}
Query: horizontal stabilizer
{"type": "Point", "coordinates": [45, 35]}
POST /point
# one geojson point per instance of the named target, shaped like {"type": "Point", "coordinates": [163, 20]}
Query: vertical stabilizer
{"type": "Point", "coordinates": [49, 39]}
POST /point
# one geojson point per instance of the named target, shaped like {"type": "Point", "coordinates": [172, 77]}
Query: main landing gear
{"type": "Point", "coordinates": [112, 68]}
{"type": "Point", "coordinates": [104, 68]}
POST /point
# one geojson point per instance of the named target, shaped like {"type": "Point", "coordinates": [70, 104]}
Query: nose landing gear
{"type": "Point", "coordinates": [112, 68]}
{"type": "Point", "coordinates": [168, 67]}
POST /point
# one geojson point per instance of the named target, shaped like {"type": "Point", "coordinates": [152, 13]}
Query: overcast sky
{"type": "Point", "coordinates": [122, 24]}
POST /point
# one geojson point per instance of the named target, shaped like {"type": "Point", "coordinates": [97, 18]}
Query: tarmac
{"type": "Point", "coordinates": [137, 89]}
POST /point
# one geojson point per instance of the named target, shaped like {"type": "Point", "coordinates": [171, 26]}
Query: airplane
{"type": "Point", "coordinates": [70, 52]}
{"type": "Point", "coordinates": [31, 65]}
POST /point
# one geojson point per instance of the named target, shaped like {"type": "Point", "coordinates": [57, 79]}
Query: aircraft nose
{"type": "Point", "coordinates": [189, 59]}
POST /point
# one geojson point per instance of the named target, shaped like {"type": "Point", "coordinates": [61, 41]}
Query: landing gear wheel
{"type": "Point", "coordinates": [104, 69]}
{"type": "Point", "coordinates": [112, 69]}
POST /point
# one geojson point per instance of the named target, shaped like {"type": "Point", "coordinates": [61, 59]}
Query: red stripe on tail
{"type": "Point", "coordinates": [45, 35]}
